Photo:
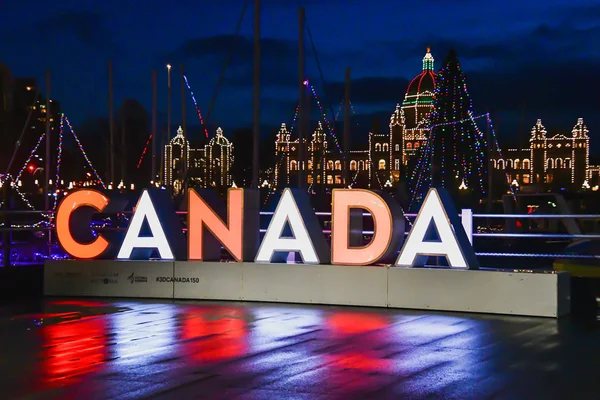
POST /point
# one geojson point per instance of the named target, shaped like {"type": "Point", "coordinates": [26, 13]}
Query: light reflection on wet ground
{"type": "Point", "coordinates": [97, 349]}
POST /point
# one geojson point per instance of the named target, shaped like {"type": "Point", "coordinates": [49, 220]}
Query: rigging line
{"type": "Point", "coordinates": [499, 151]}
{"type": "Point", "coordinates": [85, 156]}
{"type": "Point", "coordinates": [18, 144]}
{"type": "Point", "coordinates": [187, 83]}
{"type": "Point", "coordinates": [58, 161]}
{"type": "Point", "coordinates": [33, 152]}
{"type": "Point", "coordinates": [314, 49]}
{"type": "Point", "coordinates": [237, 31]}
{"type": "Point", "coordinates": [277, 164]}
{"type": "Point", "coordinates": [420, 169]}
{"type": "Point", "coordinates": [424, 154]}
{"type": "Point", "coordinates": [139, 164]}
{"type": "Point", "coordinates": [337, 114]}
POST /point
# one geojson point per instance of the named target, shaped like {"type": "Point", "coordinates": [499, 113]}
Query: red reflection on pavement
{"type": "Point", "coordinates": [367, 362]}
{"type": "Point", "coordinates": [73, 348]}
{"type": "Point", "coordinates": [214, 334]}
{"type": "Point", "coordinates": [349, 323]}
{"type": "Point", "coordinates": [359, 364]}
{"type": "Point", "coordinates": [79, 303]}
{"type": "Point", "coordinates": [41, 316]}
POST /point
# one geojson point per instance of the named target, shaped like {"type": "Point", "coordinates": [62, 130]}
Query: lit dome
{"type": "Point", "coordinates": [419, 95]}
{"type": "Point", "coordinates": [179, 139]}
{"type": "Point", "coordinates": [219, 139]}
{"type": "Point", "coordinates": [421, 84]}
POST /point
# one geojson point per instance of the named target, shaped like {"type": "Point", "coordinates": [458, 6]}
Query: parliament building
{"type": "Point", "coordinates": [385, 160]}
{"type": "Point", "coordinates": [549, 161]}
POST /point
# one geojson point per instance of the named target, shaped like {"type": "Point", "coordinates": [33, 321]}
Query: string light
{"type": "Point", "coordinates": [417, 106]}
{"type": "Point", "coordinates": [196, 105]}
{"type": "Point", "coordinates": [33, 152]}
{"type": "Point", "coordinates": [426, 152]}
{"type": "Point", "coordinates": [339, 110]}
{"type": "Point", "coordinates": [323, 115]}
{"type": "Point", "coordinates": [283, 138]}
{"type": "Point", "coordinates": [456, 143]}
{"type": "Point", "coordinates": [15, 187]}
{"type": "Point", "coordinates": [144, 151]}
{"type": "Point", "coordinates": [499, 150]}
{"type": "Point", "coordinates": [284, 145]}
{"type": "Point", "coordinates": [58, 160]}
{"type": "Point", "coordinates": [83, 152]}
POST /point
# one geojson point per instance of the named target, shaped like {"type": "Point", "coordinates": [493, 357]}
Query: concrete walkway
{"type": "Point", "coordinates": [112, 349]}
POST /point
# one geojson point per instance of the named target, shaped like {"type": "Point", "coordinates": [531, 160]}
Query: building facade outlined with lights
{"type": "Point", "coordinates": [558, 160]}
{"type": "Point", "coordinates": [208, 167]}
{"type": "Point", "coordinates": [387, 156]}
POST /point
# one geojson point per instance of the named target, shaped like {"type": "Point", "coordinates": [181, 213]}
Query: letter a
{"type": "Point", "coordinates": [438, 210]}
{"type": "Point", "coordinates": [159, 235]}
{"type": "Point", "coordinates": [307, 238]}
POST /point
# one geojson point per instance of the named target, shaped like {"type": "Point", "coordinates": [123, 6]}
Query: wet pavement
{"type": "Point", "coordinates": [99, 349]}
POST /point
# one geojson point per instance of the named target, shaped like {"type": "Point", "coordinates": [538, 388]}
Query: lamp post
{"type": "Point", "coordinates": [163, 141]}
{"type": "Point", "coordinates": [168, 100]}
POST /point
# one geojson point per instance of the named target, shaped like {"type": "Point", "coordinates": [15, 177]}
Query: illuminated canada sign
{"type": "Point", "coordinates": [155, 227]}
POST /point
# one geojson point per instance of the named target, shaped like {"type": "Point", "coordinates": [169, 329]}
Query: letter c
{"type": "Point", "coordinates": [75, 200]}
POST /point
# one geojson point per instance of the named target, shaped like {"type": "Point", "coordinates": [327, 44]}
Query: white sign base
{"type": "Point", "coordinates": [494, 292]}
{"type": "Point", "coordinates": [108, 278]}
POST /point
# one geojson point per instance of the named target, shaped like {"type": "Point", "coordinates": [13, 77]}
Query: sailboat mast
{"type": "Point", "coordinates": [256, 99]}
{"type": "Point", "coordinates": [47, 169]}
{"type": "Point", "coordinates": [347, 177]}
{"type": "Point", "coordinates": [154, 110]}
{"type": "Point", "coordinates": [184, 123]}
{"type": "Point", "coordinates": [302, 109]}
{"type": "Point", "coordinates": [111, 124]}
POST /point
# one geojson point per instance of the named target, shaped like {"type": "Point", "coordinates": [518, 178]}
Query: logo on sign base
{"type": "Point", "coordinates": [137, 279]}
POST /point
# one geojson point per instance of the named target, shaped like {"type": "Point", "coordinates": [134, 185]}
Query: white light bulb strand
{"type": "Point", "coordinates": [84, 153]}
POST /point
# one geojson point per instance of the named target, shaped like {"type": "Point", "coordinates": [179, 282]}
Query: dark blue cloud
{"type": "Point", "coordinates": [538, 53]}
{"type": "Point", "coordinates": [86, 26]}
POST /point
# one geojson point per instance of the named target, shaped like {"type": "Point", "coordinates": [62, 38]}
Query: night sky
{"type": "Point", "coordinates": [523, 60]}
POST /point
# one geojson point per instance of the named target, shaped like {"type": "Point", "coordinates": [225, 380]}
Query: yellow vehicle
{"type": "Point", "coordinates": [585, 274]}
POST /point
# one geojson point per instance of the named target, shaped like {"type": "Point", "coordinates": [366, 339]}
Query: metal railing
{"type": "Point", "coordinates": [18, 222]}
{"type": "Point", "coordinates": [12, 224]}
{"type": "Point", "coordinates": [538, 235]}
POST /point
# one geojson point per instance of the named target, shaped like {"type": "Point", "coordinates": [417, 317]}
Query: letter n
{"type": "Point", "coordinates": [239, 236]}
